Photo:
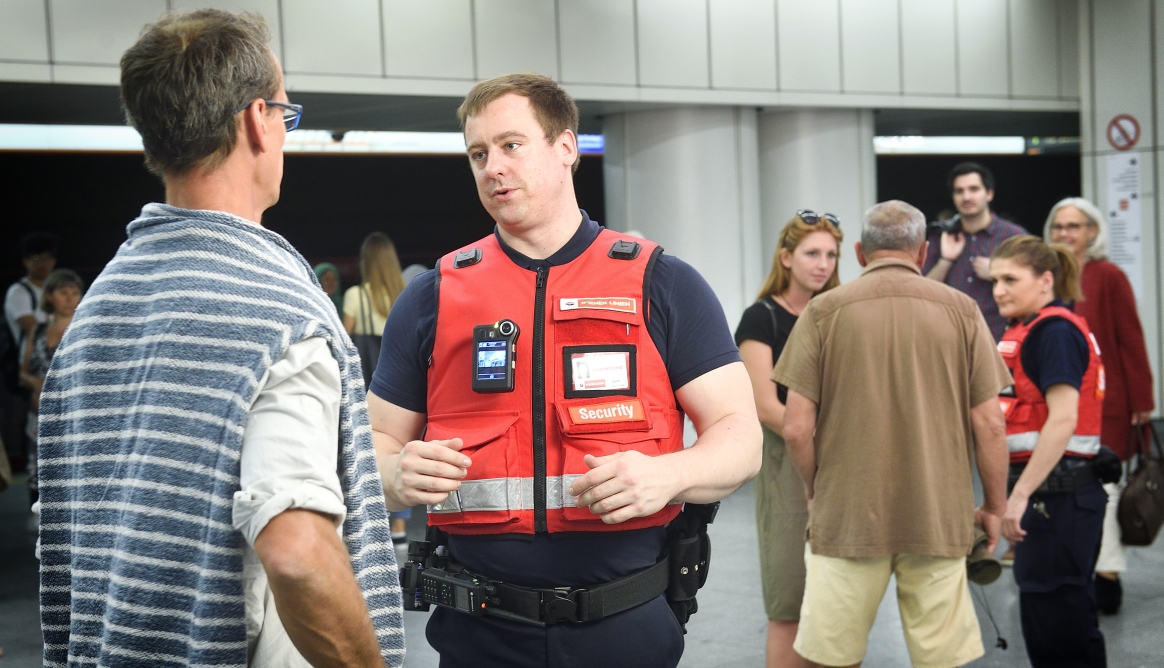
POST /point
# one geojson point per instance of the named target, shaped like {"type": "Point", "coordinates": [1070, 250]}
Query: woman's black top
{"type": "Point", "coordinates": [769, 323]}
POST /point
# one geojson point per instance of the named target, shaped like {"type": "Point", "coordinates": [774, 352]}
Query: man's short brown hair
{"type": "Point", "coordinates": [185, 77]}
{"type": "Point", "coordinates": [552, 106]}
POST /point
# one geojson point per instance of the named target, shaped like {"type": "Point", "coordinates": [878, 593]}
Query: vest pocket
{"type": "Point", "coordinates": [646, 434]}
{"type": "Point", "coordinates": [489, 494]}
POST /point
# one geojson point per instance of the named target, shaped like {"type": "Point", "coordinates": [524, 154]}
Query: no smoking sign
{"type": "Point", "coordinates": [1123, 132]}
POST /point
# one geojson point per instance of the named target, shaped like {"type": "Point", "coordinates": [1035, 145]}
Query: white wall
{"type": "Point", "coordinates": [688, 179]}
{"type": "Point", "coordinates": [819, 159]}
{"type": "Point", "coordinates": [974, 54]}
{"type": "Point", "coordinates": [1120, 53]}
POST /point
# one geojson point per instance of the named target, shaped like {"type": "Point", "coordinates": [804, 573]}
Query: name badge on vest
{"type": "Point", "coordinates": [597, 371]}
{"type": "Point", "coordinates": [620, 304]}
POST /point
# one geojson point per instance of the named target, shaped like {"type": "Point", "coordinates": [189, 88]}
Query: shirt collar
{"type": "Point", "coordinates": [885, 262]}
{"type": "Point", "coordinates": [585, 235]}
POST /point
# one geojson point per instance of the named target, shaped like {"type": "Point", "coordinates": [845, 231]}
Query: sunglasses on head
{"type": "Point", "coordinates": [811, 217]}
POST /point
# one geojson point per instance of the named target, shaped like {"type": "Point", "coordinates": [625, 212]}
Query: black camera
{"type": "Point", "coordinates": [951, 225]}
{"type": "Point", "coordinates": [494, 358]}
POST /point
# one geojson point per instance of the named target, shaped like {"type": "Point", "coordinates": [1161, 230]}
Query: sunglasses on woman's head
{"type": "Point", "coordinates": [811, 217]}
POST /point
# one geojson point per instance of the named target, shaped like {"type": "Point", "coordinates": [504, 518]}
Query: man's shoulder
{"type": "Point", "coordinates": [1008, 229]}
{"type": "Point", "coordinates": [889, 284]}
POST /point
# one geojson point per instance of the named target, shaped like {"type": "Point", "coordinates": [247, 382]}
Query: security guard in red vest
{"type": "Point", "coordinates": [1053, 414]}
{"type": "Point", "coordinates": [547, 369]}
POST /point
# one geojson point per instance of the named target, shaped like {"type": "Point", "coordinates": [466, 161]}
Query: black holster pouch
{"type": "Point", "coordinates": [1108, 467]}
{"type": "Point", "coordinates": [689, 555]}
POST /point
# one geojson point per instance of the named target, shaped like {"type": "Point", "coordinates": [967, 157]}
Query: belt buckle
{"type": "Point", "coordinates": [560, 605]}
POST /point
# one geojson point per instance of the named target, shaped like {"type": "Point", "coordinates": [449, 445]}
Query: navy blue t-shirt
{"type": "Point", "coordinates": [1055, 351]}
{"type": "Point", "coordinates": [688, 327]}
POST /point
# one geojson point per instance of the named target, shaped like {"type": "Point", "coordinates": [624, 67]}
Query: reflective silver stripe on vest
{"type": "Point", "coordinates": [1079, 445]}
{"type": "Point", "coordinates": [506, 494]}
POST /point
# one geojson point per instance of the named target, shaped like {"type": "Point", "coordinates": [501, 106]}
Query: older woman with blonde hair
{"type": "Point", "coordinates": [805, 265]}
{"type": "Point", "coordinates": [1109, 307]}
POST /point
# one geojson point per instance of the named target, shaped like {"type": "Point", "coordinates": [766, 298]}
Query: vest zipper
{"type": "Point", "coordinates": [539, 402]}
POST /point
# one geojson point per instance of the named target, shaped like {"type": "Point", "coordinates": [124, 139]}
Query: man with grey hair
{"type": "Point", "coordinates": [892, 380]}
{"type": "Point", "coordinates": [209, 487]}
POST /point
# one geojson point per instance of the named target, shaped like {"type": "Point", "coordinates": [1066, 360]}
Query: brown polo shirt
{"type": "Point", "coordinates": [894, 362]}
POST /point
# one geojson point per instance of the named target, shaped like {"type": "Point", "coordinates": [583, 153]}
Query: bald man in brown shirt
{"type": "Point", "coordinates": [893, 380]}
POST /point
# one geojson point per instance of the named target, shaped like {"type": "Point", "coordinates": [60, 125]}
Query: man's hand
{"type": "Point", "coordinates": [952, 245]}
{"type": "Point", "coordinates": [624, 485]}
{"type": "Point", "coordinates": [981, 266]}
{"type": "Point", "coordinates": [991, 524]}
{"type": "Point", "coordinates": [1016, 507]}
{"type": "Point", "coordinates": [426, 471]}
{"type": "Point", "coordinates": [1141, 417]}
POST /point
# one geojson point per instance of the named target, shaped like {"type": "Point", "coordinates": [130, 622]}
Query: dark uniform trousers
{"type": "Point", "coordinates": [644, 637]}
{"type": "Point", "coordinates": [1053, 566]}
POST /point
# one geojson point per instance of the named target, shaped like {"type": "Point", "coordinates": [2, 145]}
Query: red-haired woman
{"type": "Point", "coordinates": [805, 265]}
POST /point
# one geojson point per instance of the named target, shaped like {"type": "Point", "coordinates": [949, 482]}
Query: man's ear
{"type": "Point", "coordinates": [921, 254]}
{"type": "Point", "coordinates": [567, 144]}
{"type": "Point", "coordinates": [254, 126]}
{"type": "Point", "coordinates": [989, 196]}
{"type": "Point", "coordinates": [861, 259]}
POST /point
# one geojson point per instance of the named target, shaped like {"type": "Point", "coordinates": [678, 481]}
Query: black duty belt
{"type": "Point", "coordinates": [1070, 474]}
{"type": "Point", "coordinates": [582, 604]}
{"type": "Point", "coordinates": [432, 577]}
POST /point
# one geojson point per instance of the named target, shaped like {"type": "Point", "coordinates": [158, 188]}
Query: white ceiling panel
{"type": "Point", "coordinates": [1034, 48]}
{"type": "Point", "coordinates": [870, 57]}
{"type": "Point", "coordinates": [516, 36]}
{"type": "Point", "coordinates": [673, 43]}
{"type": "Point", "coordinates": [983, 61]}
{"type": "Point", "coordinates": [428, 39]}
{"type": "Point", "coordinates": [928, 47]}
{"type": "Point", "coordinates": [337, 37]}
{"type": "Point", "coordinates": [810, 49]}
{"type": "Point", "coordinates": [598, 41]}
{"type": "Point", "coordinates": [23, 32]}
{"type": "Point", "coordinates": [743, 44]}
{"type": "Point", "coordinates": [98, 32]}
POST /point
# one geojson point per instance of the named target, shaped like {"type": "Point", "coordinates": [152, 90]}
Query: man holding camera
{"type": "Point", "coordinates": [960, 257]}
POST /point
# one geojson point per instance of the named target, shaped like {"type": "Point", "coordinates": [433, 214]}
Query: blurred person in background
{"type": "Point", "coordinates": [1053, 411]}
{"type": "Point", "coordinates": [62, 293]}
{"type": "Point", "coordinates": [804, 266]}
{"type": "Point", "coordinates": [412, 271]}
{"type": "Point", "coordinates": [366, 306]}
{"type": "Point", "coordinates": [365, 310]}
{"type": "Point", "coordinates": [1109, 307]}
{"type": "Point", "coordinates": [38, 252]}
{"type": "Point", "coordinates": [329, 279]}
{"type": "Point", "coordinates": [961, 260]}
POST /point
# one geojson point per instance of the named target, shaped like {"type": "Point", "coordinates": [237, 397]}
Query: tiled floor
{"type": "Point", "coordinates": [728, 631]}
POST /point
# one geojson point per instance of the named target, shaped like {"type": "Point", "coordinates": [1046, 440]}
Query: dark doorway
{"type": "Point", "coordinates": [1026, 186]}
{"type": "Point", "coordinates": [427, 204]}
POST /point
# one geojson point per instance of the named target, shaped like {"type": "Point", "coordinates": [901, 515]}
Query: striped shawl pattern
{"type": "Point", "coordinates": [142, 418]}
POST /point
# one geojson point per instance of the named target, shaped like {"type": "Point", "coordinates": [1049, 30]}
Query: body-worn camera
{"type": "Point", "coordinates": [494, 356]}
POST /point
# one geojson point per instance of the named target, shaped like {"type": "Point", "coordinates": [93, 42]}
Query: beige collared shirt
{"type": "Point", "coordinates": [894, 363]}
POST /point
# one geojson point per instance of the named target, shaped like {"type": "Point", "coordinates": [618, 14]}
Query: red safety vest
{"type": "Point", "coordinates": [1026, 412]}
{"type": "Point", "coordinates": [588, 380]}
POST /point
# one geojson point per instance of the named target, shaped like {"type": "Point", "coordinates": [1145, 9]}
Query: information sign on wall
{"type": "Point", "coordinates": [1124, 245]}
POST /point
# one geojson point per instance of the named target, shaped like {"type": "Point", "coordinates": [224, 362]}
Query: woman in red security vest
{"type": "Point", "coordinates": [1054, 415]}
